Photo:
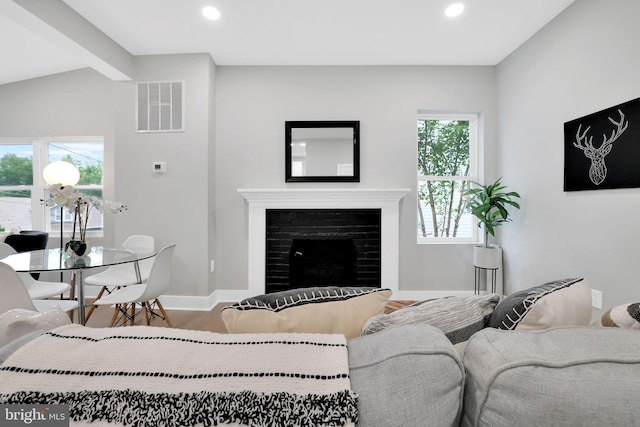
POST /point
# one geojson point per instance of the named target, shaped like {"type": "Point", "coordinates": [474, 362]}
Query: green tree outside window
{"type": "Point", "coordinates": [443, 151]}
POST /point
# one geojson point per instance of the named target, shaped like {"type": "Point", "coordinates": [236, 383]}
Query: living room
{"type": "Point", "coordinates": [579, 63]}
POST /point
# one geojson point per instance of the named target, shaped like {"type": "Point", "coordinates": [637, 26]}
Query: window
{"type": "Point", "coordinates": [22, 186]}
{"type": "Point", "coordinates": [447, 163]}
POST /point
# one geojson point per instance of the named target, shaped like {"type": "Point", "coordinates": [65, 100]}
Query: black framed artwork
{"type": "Point", "coordinates": [602, 150]}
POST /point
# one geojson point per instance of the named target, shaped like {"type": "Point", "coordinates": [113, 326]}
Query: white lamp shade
{"type": "Point", "coordinates": [63, 173]}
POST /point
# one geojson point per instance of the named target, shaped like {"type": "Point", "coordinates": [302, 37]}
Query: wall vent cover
{"type": "Point", "coordinates": [160, 106]}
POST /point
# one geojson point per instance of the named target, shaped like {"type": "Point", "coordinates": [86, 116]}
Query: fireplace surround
{"type": "Point", "coordinates": [261, 200]}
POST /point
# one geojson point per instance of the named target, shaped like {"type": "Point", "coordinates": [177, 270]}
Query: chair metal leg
{"type": "Point", "coordinates": [125, 313]}
{"type": "Point", "coordinates": [72, 295]}
{"type": "Point", "coordinates": [149, 310]}
{"type": "Point", "coordinates": [146, 311]}
{"type": "Point", "coordinates": [143, 312]}
{"type": "Point", "coordinates": [133, 314]}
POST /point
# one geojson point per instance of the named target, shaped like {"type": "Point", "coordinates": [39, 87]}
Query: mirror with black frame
{"type": "Point", "coordinates": [322, 151]}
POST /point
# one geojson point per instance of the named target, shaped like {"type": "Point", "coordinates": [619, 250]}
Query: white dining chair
{"type": "Point", "coordinates": [15, 295]}
{"type": "Point", "coordinates": [123, 274]}
{"type": "Point", "coordinates": [38, 289]}
{"type": "Point", "coordinates": [145, 294]}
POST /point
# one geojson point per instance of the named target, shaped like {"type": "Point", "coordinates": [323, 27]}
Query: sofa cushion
{"type": "Point", "coordinates": [408, 376]}
{"type": "Point", "coordinates": [566, 376]}
{"type": "Point", "coordinates": [330, 310]}
{"type": "Point", "coordinates": [622, 316]}
{"type": "Point", "coordinates": [564, 302]}
{"type": "Point", "coordinates": [458, 317]}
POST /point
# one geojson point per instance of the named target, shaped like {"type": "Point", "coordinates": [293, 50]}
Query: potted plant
{"type": "Point", "coordinates": [489, 204]}
{"type": "Point", "coordinates": [80, 205]}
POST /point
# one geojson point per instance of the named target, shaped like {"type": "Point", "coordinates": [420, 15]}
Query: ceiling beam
{"type": "Point", "coordinates": [56, 22]}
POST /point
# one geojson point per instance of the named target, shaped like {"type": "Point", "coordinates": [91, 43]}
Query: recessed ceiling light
{"type": "Point", "coordinates": [454, 10]}
{"type": "Point", "coordinates": [211, 13]}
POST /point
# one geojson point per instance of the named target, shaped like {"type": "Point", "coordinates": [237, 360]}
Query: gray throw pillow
{"type": "Point", "coordinates": [458, 317]}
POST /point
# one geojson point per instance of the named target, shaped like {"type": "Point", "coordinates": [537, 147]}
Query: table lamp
{"type": "Point", "coordinates": [60, 172]}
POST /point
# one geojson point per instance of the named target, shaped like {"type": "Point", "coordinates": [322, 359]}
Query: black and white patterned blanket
{"type": "Point", "coordinates": [150, 376]}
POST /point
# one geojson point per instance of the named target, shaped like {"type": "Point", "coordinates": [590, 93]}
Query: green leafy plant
{"type": "Point", "coordinates": [1, 229]}
{"type": "Point", "coordinates": [489, 204]}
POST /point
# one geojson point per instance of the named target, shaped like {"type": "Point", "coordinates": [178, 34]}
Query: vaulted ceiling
{"type": "Point", "coordinates": [46, 37]}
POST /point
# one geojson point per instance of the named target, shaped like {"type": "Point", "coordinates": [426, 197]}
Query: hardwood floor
{"type": "Point", "coordinates": [195, 320]}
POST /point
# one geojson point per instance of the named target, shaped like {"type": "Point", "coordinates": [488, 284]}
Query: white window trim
{"type": "Point", "coordinates": [474, 166]}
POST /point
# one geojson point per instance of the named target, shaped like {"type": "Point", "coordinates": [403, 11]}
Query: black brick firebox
{"type": "Point", "coordinates": [322, 247]}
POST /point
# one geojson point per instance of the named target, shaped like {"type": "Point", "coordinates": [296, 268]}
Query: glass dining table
{"type": "Point", "coordinates": [46, 260]}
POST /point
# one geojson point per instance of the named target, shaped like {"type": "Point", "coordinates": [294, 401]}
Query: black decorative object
{"type": "Point", "coordinates": [602, 150]}
{"type": "Point", "coordinates": [75, 247]}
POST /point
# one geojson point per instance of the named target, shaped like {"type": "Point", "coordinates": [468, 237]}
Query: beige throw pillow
{"type": "Point", "coordinates": [326, 310]}
{"type": "Point", "coordinates": [622, 316]}
{"type": "Point", "coordinates": [564, 302]}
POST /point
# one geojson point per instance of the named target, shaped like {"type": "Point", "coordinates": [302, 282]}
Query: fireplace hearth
{"type": "Point", "coordinates": [322, 247]}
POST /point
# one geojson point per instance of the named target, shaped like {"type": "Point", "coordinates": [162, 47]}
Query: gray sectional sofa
{"type": "Point", "coordinates": [412, 375]}
{"type": "Point", "coordinates": [460, 361]}
{"type": "Point", "coordinates": [528, 359]}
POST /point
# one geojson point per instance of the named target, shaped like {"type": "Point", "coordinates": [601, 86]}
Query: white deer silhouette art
{"type": "Point", "coordinates": [598, 170]}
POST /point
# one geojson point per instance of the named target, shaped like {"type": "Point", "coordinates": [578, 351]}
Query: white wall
{"type": "Point", "coordinates": [173, 207]}
{"type": "Point", "coordinates": [74, 103]}
{"type": "Point", "coordinates": [253, 104]}
{"type": "Point", "coordinates": [177, 207]}
{"type": "Point", "coordinates": [211, 168]}
{"type": "Point", "coordinates": [238, 142]}
{"type": "Point", "coordinates": [584, 61]}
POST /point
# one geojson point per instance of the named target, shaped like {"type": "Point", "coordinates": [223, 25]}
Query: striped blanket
{"type": "Point", "coordinates": [149, 376]}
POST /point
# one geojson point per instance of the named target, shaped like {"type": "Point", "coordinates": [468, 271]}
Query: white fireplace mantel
{"type": "Point", "coordinates": [387, 200]}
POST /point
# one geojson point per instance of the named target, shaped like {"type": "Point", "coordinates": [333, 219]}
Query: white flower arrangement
{"type": "Point", "coordinates": [81, 205]}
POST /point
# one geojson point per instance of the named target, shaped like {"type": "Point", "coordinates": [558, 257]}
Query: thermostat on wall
{"type": "Point", "coordinates": [159, 167]}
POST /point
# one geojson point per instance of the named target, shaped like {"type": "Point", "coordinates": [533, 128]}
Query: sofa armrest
{"type": "Point", "coordinates": [406, 376]}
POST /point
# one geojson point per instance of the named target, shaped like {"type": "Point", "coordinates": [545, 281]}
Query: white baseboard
{"type": "Point", "coordinates": [188, 302]}
{"type": "Point", "coordinates": [194, 303]}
